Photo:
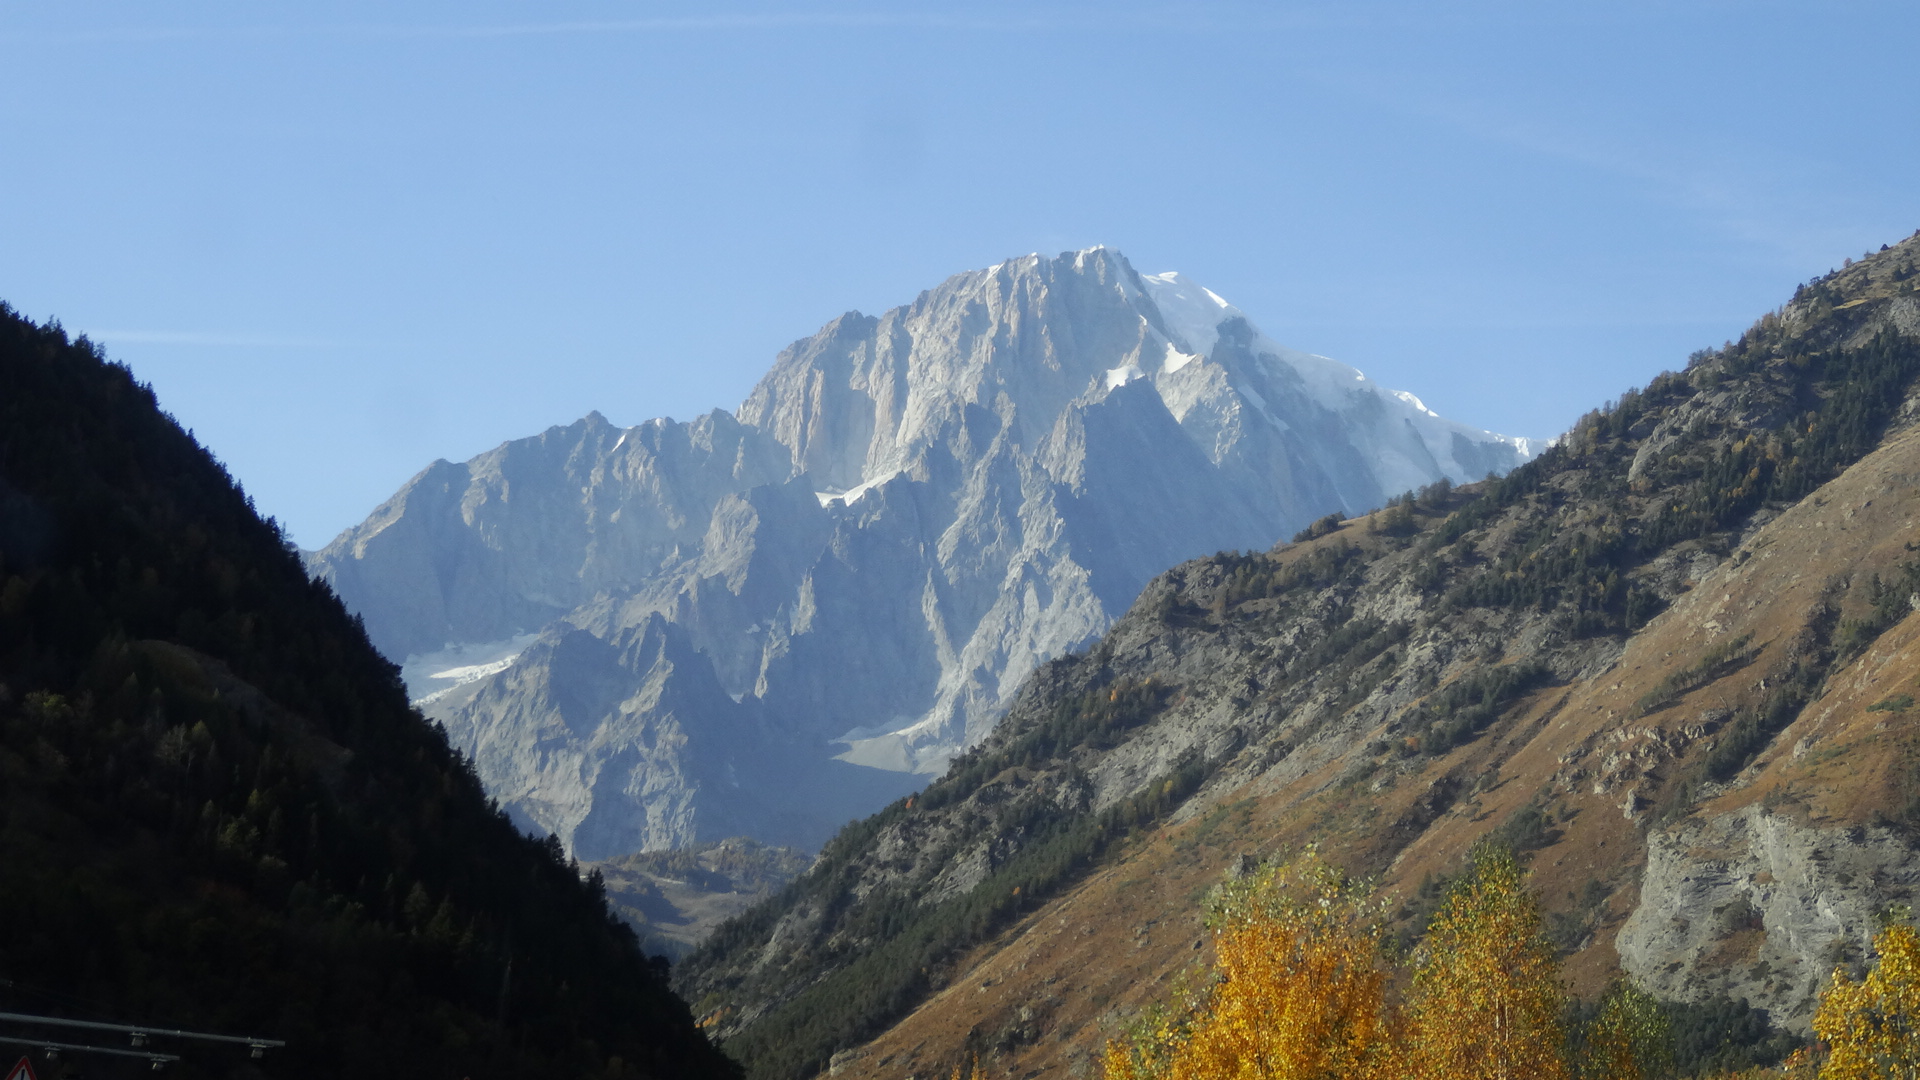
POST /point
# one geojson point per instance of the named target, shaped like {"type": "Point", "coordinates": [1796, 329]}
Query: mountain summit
{"type": "Point", "coordinates": [767, 622]}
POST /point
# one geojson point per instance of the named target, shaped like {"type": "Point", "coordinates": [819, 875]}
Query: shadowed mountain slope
{"type": "Point", "coordinates": [1672, 660]}
{"type": "Point", "coordinates": [218, 811]}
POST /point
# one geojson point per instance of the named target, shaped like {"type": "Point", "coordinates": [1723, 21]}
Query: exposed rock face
{"type": "Point", "coordinates": [907, 515]}
{"type": "Point", "coordinates": [1756, 905]}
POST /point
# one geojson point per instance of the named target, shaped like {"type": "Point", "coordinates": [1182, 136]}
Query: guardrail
{"type": "Point", "coordinates": [138, 1035]}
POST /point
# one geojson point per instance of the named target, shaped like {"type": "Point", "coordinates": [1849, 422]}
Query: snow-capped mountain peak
{"type": "Point", "coordinates": [1191, 312]}
{"type": "Point", "coordinates": [739, 623]}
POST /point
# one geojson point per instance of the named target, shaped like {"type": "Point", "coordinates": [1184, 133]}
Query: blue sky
{"type": "Point", "coordinates": [342, 240]}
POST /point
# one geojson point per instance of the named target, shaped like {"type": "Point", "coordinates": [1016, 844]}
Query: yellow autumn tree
{"type": "Point", "coordinates": [1486, 998]}
{"type": "Point", "coordinates": [1299, 993]}
{"type": "Point", "coordinates": [1872, 1027]}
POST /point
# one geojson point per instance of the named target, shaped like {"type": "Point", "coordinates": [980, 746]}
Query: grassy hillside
{"type": "Point", "coordinates": [218, 811]}
{"type": "Point", "coordinates": [1556, 657]}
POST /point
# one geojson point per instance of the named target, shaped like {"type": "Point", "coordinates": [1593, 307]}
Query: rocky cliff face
{"type": "Point", "coordinates": [765, 623]}
{"type": "Point", "coordinates": [1757, 905]}
{"type": "Point", "coordinates": [1673, 661]}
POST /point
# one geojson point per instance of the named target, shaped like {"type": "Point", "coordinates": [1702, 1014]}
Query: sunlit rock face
{"type": "Point", "coordinates": [772, 621]}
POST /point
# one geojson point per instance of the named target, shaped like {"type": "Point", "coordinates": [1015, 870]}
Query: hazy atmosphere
{"type": "Point", "coordinates": [343, 240]}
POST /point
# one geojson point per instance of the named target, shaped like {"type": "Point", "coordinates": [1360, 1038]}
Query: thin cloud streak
{"type": "Point", "coordinates": [1508, 324]}
{"type": "Point", "coordinates": [1208, 18]}
{"type": "Point", "coordinates": [1160, 19]}
{"type": "Point", "coordinates": [211, 340]}
{"type": "Point", "coordinates": [1734, 209]}
{"type": "Point", "coordinates": [665, 24]}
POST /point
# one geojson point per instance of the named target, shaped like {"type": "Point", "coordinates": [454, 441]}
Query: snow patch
{"type": "Point", "coordinates": [1189, 311]}
{"type": "Point", "coordinates": [1176, 359]}
{"type": "Point", "coordinates": [1121, 376]}
{"type": "Point", "coordinates": [469, 672]}
{"type": "Point", "coordinates": [852, 494]}
{"type": "Point", "coordinates": [916, 748]}
{"type": "Point", "coordinates": [431, 676]}
{"type": "Point", "coordinates": [1415, 402]}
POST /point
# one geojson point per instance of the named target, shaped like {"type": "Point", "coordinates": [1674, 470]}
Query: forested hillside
{"type": "Point", "coordinates": [218, 811]}
{"type": "Point", "coordinates": [1674, 640]}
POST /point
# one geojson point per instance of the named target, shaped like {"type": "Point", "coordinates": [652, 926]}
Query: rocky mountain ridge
{"type": "Point", "coordinates": [766, 623]}
{"type": "Point", "coordinates": [1671, 661]}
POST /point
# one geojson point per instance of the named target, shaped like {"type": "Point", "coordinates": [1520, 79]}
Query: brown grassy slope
{"type": "Point", "coordinates": [1312, 687]}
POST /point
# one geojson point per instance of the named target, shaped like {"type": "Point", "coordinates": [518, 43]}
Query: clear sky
{"type": "Point", "coordinates": [342, 240]}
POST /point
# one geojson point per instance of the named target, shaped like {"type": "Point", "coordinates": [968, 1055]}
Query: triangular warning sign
{"type": "Point", "coordinates": [22, 1071]}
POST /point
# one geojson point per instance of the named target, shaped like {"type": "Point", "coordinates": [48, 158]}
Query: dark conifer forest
{"type": "Point", "coordinates": [218, 811]}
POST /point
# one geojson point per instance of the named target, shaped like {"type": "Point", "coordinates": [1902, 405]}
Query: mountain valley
{"type": "Point", "coordinates": [1670, 662]}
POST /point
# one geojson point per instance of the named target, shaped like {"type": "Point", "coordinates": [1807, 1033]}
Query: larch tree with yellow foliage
{"type": "Point", "coordinates": [1486, 999]}
{"type": "Point", "coordinates": [1299, 992]}
{"type": "Point", "coordinates": [1872, 1027]}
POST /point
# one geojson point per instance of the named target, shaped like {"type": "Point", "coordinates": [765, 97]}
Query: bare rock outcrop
{"type": "Point", "coordinates": [1758, 905]}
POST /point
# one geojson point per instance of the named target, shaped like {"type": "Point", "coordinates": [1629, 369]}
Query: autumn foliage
{"type": "Point", "coordinates": [1300, 991]}
{"type": "Point", "coordinates": [1872, 1027]}
{"type": "Point", "coordinates": [1486, 998]}
{"type": "Point", "coordinates": [1300, 988]}
{"type": "Point", "coordinates": [1630, 1038]}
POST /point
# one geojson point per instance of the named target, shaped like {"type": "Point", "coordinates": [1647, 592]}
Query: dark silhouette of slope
{"type": "Point", "coordinates": [218, 811]}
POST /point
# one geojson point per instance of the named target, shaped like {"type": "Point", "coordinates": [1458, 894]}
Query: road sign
{"type": "Point", "coordinates": [22, 1071]}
